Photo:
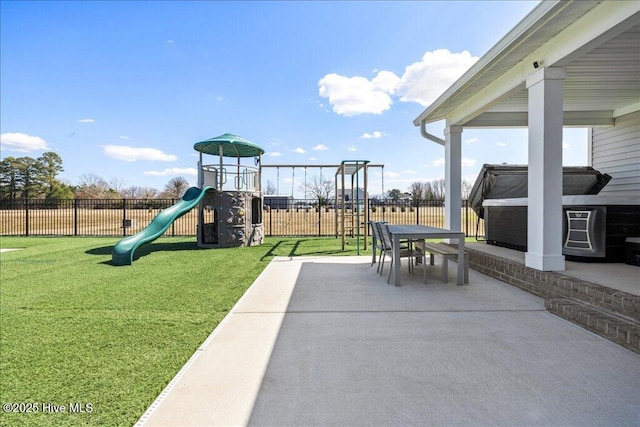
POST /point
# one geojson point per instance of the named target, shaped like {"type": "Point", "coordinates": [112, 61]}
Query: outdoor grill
{"type": "Point", "coordinates": [594, 227]}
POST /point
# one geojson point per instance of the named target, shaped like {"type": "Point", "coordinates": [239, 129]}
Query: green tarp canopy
{"type": "Point", "coordinates": [232, 146]}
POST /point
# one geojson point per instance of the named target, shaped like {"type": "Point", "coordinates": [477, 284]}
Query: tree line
{"type": "Point", "coordinates": [29, 178]}
{"type": "Point", "coordinates": [323, 190]}
{"type": "Point", "coordinates": [37, 178]}
{"type": "Point", "coordinates": [435, 190]}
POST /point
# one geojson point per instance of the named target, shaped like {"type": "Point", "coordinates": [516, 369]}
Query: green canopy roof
{"type": "Point", "coordinates": [232, 146]}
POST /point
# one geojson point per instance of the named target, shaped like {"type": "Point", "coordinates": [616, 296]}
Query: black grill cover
{"type": "Point", "coordinates": [510, 182]}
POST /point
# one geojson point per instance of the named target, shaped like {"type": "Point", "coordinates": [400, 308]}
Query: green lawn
{"type": "Point", "coordinates": [101, 342]}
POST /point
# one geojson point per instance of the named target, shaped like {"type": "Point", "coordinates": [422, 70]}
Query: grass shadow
{"type": "Point", "coordinates": [147, 249]}
{"type": "Point", "coordinates": [294, 247]}
{"type": "Point", "coordinates": [280, 247]}
{"type": "Point", "coordinates": [324, 252]}
{"type": "Point", "coordinates": [272, 251]}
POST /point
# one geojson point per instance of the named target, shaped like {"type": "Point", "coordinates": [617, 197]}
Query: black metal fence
{"type": "Point", "coordinates": [123, 217]}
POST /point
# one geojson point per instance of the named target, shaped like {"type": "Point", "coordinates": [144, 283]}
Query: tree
{"type": "Point", "coordinates": [51, 164]}
{"type": "Point", "coordinates": [320, 189]}
{"type": "Point", "coordinates": [117, 184]}
{"type": "Point", "coordinates": [135, 192]}
{"type": "Point", "coordinates": [175, 188]}
{"type": "Point", "coordinates": [147, 193]}
{"type": "Point", "coordinates": [29, 176]}
{"type": "Point", "coordinates": [437, 188]}
{"type": "Point", "coordinates": [26, 177]}
{"type": "Point", "coordinates": [93, 186]}
{"type": "Point", "coordinates": [428, 191]}
{"type": "Point", "coordinates": [269, 188]}
{"type": "Point", "coordinates": [394, 194]}
{"type": "Point", "coordinates": [59, 190]}
{"type": "Point", "coordinates": [419, 191]}
{"type": "Point", "coordinates": [130, 192]}
{"type": "Point", "coordinates": [9, 185]}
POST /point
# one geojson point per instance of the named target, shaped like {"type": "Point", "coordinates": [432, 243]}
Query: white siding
{"type": "Point", "coordinates": [616, 150]}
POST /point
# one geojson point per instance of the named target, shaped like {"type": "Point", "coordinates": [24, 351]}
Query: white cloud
{"type": "Point", "coordinates": [86, 121]}
{"type": "Point", "coordinates": [501, 144]}
{"type": "Point", "coordinates": [422, 82]}
{"type": "Point", "coordinates": [169, 41]}
{"type": "Point", "coordinates": [173, 171]}
{"type": "Point", "coordinates": [320, 147]}
{"type": "Point", "coordinates": [389, 174]}
{"type": "Point", "coordinates": [350, 96]}
{"type": "Point", "coordinates": [132, 154]}
{"type": "Point", "coordinates": [565, 145]}
{"type": "Point", "coordinates": [220, 98]}
{"type": "Point", "coordinates": [300, 150]}
{"type": "Point", "coordinates": [373, 135]}
{"type": "Point", "coordinates": [386, 81]}
{"type": "Point", "coordinates": [471, 140]}
{"type": "Point", "coordinates": [123, 137]}
{"type": "Point", "coordinates": [273, 154]}
{"type": "Point", "coordinates": [352, 148]}
{"type": "Point", "coordinates": [22, 142]}
{"type": "Point", "coordinates": [438, 162]}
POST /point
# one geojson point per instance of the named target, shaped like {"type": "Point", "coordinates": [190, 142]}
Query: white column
{"type": "Point", "coordinates": [544, 213]}
{"type": "Point", "coordinates": [453, 177]}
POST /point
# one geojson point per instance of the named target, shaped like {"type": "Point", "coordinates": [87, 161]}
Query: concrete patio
{"type": "Point", "coordinates": [325, 341]}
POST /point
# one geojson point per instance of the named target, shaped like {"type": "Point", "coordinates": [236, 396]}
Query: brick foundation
{"type": "Point", "coordinates": [610, 313]}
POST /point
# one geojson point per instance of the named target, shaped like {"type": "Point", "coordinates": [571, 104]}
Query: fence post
{"type": "Point", "coordinates": [466, 217]}
{"type": "Point", "coordinates": [417, 212]}
{"type": "Point", "coordinates": [75, 216]}
{"type": "Point", "coordinates": [124, 216]}
{"type": "Point", "coordinates": [26, 217]}
{"type": "Point", "coordinates": [319, 219]}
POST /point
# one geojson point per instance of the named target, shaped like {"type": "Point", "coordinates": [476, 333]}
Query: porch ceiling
{"type": "Point", "coordinates": [598, 43]}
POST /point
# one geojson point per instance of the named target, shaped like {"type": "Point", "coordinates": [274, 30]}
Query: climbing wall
{"type": "Point", "coordinates": [232, 218]}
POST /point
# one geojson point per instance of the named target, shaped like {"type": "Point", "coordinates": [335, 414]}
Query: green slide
{"type": "Point", "coordinates": [122, 252]}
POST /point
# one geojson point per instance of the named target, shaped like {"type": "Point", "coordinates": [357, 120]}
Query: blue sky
{"type": "Point", "coordinates": [124, 89]}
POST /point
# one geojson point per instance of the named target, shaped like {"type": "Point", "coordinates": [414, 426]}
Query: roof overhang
{"type": "Point", "coordinates": [598, 44]}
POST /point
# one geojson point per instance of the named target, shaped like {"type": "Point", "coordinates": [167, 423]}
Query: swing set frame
{"type": "Point", "coordinates": [347, 222]}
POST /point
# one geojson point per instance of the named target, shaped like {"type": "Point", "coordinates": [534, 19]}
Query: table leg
{"type": "Point", "coordinates": [373, 250]}
{"type": "Point", "coordinates": [461, 260]}
{"type": "Point", "coordinates": [396, 261]}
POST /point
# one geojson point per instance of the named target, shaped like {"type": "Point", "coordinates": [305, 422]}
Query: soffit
{"type": "Point", "coordinates": [606, 77]}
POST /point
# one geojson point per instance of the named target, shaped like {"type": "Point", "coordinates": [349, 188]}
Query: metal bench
{"type": "Point", "coordinates": [445, 251]}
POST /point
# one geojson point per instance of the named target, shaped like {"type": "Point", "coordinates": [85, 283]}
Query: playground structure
{"type": "Point", "coordinates": [231, 212]}
{"type": "Point", "coordinates": [230, 201]}
{"type": "Point", "coordinates": [229, 198]}
{"type": "Point", "coordinates": [350, 202]}
{"type": "Point", "coordinates": [353, 206]}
